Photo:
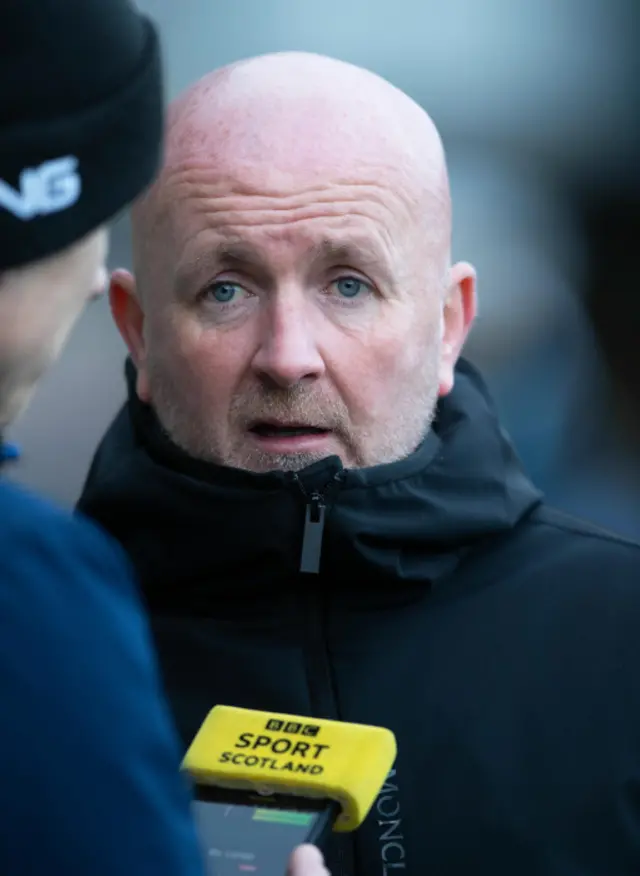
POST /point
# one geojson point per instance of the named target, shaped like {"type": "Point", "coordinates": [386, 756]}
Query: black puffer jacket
{"type": "Point", "coordinates": [499, 639]}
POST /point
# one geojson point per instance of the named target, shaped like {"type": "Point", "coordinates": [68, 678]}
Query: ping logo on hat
{"type": "Point", "coordinates": [53, 186]}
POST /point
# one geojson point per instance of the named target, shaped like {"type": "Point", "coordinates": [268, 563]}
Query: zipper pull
{"type": "Point", "coordinates": [312, 537]}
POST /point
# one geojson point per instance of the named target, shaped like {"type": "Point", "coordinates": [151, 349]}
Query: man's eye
{"type": "Point", "coordinates": [224, 293]}
{"type": "Point", "coordinates": [350, 287]}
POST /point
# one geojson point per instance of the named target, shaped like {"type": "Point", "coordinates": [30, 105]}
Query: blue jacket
{"type": "Point", "coordinates": [89, 782]}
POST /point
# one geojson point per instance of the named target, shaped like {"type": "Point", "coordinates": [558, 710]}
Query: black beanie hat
{"type": "Point", "coordinates": [81, 114]}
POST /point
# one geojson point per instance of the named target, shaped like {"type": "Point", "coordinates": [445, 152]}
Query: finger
{"type": "Point", "coordinates": [307, 861]}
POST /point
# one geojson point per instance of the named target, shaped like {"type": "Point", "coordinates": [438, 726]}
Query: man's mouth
{"type": "Point", "coordinates": [288, 430]}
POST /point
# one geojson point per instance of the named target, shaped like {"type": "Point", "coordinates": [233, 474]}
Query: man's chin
{"type": "Point", "coordinates": [261, 462]}
{"type": "Point", "coordinates": [266, 451]}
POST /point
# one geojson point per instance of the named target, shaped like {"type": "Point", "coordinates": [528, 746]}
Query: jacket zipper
{"type": "Point", "coordinates": [312, 537]}
{"type": "Point", "coordinates": [324, 703]}
{"type": "Point", "coordinates": [314, 519]}
{"type": "Point", "coordinates": [323, 697]}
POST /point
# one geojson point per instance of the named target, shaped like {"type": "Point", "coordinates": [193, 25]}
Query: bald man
{"type": "Point", "coordinates": [320, 502]}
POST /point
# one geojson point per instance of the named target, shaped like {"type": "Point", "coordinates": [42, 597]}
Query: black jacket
{"type": "Point", "coordinates": [497, 638]}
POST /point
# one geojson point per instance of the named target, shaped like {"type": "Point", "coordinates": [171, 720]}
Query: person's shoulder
{"type": "Point", "coordinates": [581, 532]}
{"type": "Point", "coordinates": [558, 542]}
{"type": "Point", "coordinates": [36, 533]}
{"type": "Point", "coordinates": [62, 576]}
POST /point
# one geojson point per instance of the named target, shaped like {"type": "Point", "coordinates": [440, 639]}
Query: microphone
{"type": "Point", "coordinates": [265, 783]}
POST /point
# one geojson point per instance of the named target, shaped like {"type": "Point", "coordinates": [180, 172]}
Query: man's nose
{"type": "Point", "coordinates": [288, 353]}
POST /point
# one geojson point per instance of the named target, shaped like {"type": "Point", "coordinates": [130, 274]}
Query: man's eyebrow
{"type": "Point", "coordinates": [220, 255]}
{"type": "Point", "coordinates": [231, 254]}
{"type": "Point", "coordinates": [355, 254]}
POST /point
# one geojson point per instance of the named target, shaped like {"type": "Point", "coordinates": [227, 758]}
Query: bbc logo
{"type": "Point", "coordinates": [293, 727]}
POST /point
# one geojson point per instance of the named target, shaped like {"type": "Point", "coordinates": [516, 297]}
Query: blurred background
{"type": "Point", "coordinates": [538, 103]}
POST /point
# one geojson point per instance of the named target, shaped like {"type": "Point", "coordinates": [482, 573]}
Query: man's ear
{"type": "Point", "coordinates": [129, 318]}
{"type": "Point", "coordinates": [458, 314]}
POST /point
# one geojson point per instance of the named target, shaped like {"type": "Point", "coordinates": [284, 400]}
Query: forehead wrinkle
{"type": "Point", "coordinates": [221, 128]}
{"type": "Point", "coordinates": [216, 207]}
{"type": "Point", "coordinates": [282, 190]}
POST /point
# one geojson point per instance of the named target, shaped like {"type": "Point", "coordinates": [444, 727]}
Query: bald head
{"type": "Point", "coordinates": [308, 113]}
{"type": "Point", "coordinates": [290, 119]}
{"type": "Point", "coordinates": [292, 267]}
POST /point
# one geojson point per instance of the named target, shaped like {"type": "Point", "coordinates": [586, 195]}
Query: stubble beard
{"type": "Point", "coordinates": [386, 441]}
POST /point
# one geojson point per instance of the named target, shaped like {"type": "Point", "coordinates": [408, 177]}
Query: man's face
{"type": "Point", "coordinates": [286, 326]}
